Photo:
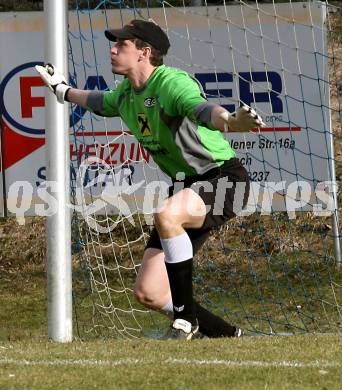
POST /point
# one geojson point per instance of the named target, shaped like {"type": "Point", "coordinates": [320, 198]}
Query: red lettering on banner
{"type": "Point", "coordinates": [101, 151]}
{"type": "Point", "coordinates": [91, 150]}
{"type": "Point", "coordinates": [131, 154]}
{"type": "Point", "coordinates": [28, 102]}
{"type": "Point", "coordinates": [76, 153]}
{"type": "Point", "coordinates": [122, 154]}
{"type": "Point", "coordinates": [145, 156]}
{"type": "Point", "coordinates": [112, 154]}
{"type": "Point", "coordinates": [113, 148]}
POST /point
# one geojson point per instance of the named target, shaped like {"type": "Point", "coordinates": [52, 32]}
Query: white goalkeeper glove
{"type": "Point", "coordinates": [54, 80]}
{"type": "Point", "coordinates": [243, 119]}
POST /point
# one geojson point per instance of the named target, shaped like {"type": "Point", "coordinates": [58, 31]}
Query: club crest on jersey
{"type": "Point", "coordinates": [144, 125]}
{"type": "Point", "coordinates": [150, 102]}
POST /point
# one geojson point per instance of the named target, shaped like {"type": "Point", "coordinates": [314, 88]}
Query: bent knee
{"type": "Point", "coordinates": [140, 295]}
{"type": "Point", "coordinates": [148, 298]}
{"type": "Point", "coordinates": [165, 218]}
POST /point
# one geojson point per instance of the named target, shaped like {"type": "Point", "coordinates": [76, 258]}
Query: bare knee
{"type": "Point", "coordinates": [152, 284]}
{"type": "Point", "coordinates": [142, 296]}
{"type": "Point", "coordinates": [148, 298]}
{"type": "Point", "coordinates": [165, 221]}
{"type": "Point", "coordinates": [183, 210]}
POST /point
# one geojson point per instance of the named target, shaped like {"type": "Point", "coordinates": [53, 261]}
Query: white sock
{"type": "Point", "coordinates": [177, 249]}
{"type": "Point", "coordinates": [168, 309]}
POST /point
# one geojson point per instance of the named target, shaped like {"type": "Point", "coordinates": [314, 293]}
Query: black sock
{"type": "Point", "coordinates": [180, 279]}
{"type": "Point", "coordinates": [211, 325]}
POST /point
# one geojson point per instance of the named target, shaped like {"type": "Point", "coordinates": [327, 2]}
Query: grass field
{"type": "Point", "coordinates": [298, 362]}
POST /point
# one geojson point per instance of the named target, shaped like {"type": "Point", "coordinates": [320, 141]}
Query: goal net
{"type": "Point", "coordinates": [275, 269]}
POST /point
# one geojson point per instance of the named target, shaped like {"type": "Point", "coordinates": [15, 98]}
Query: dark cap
{"type": "Point", "coordinates": [146, 31]}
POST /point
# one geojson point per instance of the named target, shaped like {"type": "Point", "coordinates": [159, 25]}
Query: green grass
{"type": "Point", "coordinates": [23, 313]}
{"type": "Point", "coordinates": [293, 289]}
{"type": "Point", "coordinates": [29, 361]}
{"type": "Point", "coordinates": [298, 362]}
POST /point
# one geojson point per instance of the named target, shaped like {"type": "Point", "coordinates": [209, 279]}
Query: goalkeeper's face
{"type": "Point", "coordinates": [125, 57]}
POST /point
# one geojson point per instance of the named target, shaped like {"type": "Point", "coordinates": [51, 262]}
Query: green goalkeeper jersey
{"type": "Point", "coordinates": [162, 117]}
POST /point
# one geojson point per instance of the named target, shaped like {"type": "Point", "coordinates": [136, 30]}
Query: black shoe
{"type": "Point", "coordinates": [182, 330]}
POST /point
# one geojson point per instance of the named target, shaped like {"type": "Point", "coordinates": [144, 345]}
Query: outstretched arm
{"type": "Point", "coordinates": [217, 117]}
{"type": "Point", "coordinates": [78, 96]}
{"type": "Point", "coordinates": [243, 119]}
{"type": "Point", "coordinates": [56, 82]}
{"type": "Point", "coordinates": [183, 96]}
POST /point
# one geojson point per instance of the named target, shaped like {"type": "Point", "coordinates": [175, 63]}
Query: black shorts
{"type": "Point", "coordinates": [219, 190]}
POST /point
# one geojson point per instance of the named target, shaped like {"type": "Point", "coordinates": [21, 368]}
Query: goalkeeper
{"type": "Point", "coordinates": [171, 118]}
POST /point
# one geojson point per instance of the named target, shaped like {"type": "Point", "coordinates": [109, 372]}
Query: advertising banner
{"type": "Point", "coordinates": [242, 56]}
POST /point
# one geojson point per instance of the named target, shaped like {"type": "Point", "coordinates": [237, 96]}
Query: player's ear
{"type": "Point", "coordinates": [145, 52]}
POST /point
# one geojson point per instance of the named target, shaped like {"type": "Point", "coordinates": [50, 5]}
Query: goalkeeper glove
{"type": "Point", "coordinates": [243, 119]}
{"type": "Point", "coordinates": [54, 80]}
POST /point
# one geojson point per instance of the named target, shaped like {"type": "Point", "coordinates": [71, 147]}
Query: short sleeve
{"type": "Point", "coordinates": [180, 95]}
{"type": "Point", "coordinates": [110, 103]}
{"type": "Point", "coordinates": [113, 98]}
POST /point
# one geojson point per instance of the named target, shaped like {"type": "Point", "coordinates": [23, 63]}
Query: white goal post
{"type": "Point", "coordinates": [59, 276]}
